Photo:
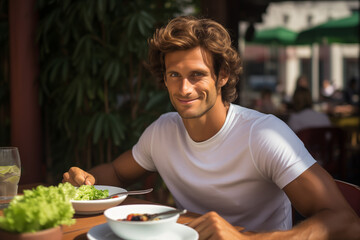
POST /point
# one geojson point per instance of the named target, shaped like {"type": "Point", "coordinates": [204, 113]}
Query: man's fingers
{"type": "Point", "coordinates": [203, 226]}
{"type": "Point", "coordinates": [78, 177]}
{"type": "Point", "coordinates": [196, 222]}
{"type": "Point", "coordinates": [202, 219]}
{"type": "Point", "coordinates": [212, 226]}
{"type": "Point", "coordinates": [66, 178]}
{"type": "Point", "coordinates": [89, 180]}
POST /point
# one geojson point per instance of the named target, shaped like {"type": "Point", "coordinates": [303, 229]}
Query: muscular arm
{"type": "Point", "coordinates": [123, 171]}
{"type": "Point", "coordinates": [315, 195]}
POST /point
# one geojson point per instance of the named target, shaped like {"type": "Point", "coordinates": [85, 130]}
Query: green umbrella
{"type": "Point", "coordinates": [344, 30]}
{"type": "Point", "coordinates": [277, 36]}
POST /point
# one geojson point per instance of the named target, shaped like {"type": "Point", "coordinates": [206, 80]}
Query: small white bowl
{"type": "Point", "coordinates": [137, 229]}
{"type": "Point", "coordinates": [87, 207]}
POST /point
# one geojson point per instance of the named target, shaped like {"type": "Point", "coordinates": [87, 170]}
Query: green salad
{"type": "Point", "coordinates": [46, 207]}
{"type": "Point", "coordinates": [89, 192]}
{"type": "Point", "coordinates": [39, 209]}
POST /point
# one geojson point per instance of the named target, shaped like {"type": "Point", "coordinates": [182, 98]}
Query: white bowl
{"type": "Point", "coordinates": [87, 207]}
{"type": "Point", "coordinates": [137, 229]}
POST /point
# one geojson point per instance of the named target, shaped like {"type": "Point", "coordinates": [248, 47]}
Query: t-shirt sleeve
{"type": "Point", "coordinates": [278, 153]}
{"type": "Point", "coordinates": [142, 149]}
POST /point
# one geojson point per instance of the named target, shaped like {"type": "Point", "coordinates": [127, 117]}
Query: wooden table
{"type": "Point", "coordinates": [84, 223]}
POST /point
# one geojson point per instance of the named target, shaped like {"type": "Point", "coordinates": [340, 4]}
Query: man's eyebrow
{"type": "Point", "coordinates": [170, 71]}
{"type": "Point", "coordinates": [201, 71]}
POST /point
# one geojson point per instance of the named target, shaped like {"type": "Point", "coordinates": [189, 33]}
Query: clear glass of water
{"type": "Point", "coordinates": [10, 170]}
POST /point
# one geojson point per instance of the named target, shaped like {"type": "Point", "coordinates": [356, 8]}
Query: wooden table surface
{"type": "Point", "coordinates": [84, 223]}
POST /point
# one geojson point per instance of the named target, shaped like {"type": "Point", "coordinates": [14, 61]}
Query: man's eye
{"type": "Point", "coordinates": [197, 74]}
{"type": "Point", "coordinates": [173, 74]}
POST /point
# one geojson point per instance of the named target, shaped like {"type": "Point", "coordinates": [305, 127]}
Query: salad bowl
{"type": "Point", "coordinates": [116, 216]}
{"type": "Point", "coordinates": [88, 207]}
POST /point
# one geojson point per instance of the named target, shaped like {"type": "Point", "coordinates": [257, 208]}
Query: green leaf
{"type": "Point", "coordinates": [109, 70]}
{"type": "Point", "coordinates": [70, 92]}
{"type": "Point", "coordinates": [115, 73]}
{"type": "Point", "coordinates": [156, 100]}
{"type": "Point", "coordinates": [79, 48]}
{"type": "Point", "coordinates": [98, 128]}
{"type": "Point", "coordinates": [79, 93]}
{"type": "Point", "coordinates": [65, 70]}
{"type": "Point", "coordinates": [86, 15]}
{"type": "Point", "coordinates": [39, 209]}
{"type": "Point", "coordinates": [117, 129]}
{"type": "Point", "coordinates": [90, 92]}
{"type": "Point", "coordinates": [101, 6]}
{"type": "Point", "coordinates": [91, 123]}
{"type": "Point", "coordinates": [106, 126]}
{"type": "Point", "coordinates": [131, 25]}
{"type": "Point", "coordinates": [141, 26]}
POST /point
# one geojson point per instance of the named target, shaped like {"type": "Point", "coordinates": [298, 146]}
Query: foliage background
{"type": "Point", "coordinates": [96, 94]}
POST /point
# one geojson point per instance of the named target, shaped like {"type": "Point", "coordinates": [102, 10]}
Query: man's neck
{"type": "Point", "coordinates": [203, 128]}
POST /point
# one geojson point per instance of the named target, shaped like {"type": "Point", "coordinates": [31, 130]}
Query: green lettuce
{"type": "Point", "coordinates": [40, 208]}
{"type": "Point", "coordinates": [89, 192]}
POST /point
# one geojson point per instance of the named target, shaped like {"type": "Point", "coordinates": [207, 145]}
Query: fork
{"type": "Point", "coordinates": [134, 192]}
{"type": "Point", "coordinates": [171, 212]}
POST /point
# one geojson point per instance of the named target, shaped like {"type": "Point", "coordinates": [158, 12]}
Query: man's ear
{"type": "Point", "coordinates": [223, 78]}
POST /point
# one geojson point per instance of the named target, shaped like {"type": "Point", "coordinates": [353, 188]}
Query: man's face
{"type": "Point", "coordinates": [191, 82]}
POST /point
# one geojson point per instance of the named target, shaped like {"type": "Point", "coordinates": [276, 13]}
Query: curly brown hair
{"type": "Point", "coordinates": [186, 32]}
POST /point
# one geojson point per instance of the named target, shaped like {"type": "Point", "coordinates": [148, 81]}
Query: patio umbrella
{"type": "Point", "coordinates": [274, 36]}
{"type": "Point", "coordinates": [343, 30]}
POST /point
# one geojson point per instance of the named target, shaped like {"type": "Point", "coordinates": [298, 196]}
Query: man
{"type": "Point", "coordinates": [234, 165]}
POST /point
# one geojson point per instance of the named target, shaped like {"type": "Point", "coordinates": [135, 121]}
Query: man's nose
{"type": "Point", "coordinates": [186, 86]}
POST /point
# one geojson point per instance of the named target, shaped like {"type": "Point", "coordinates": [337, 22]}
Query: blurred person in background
{"type": "Point", "coordinates": [328, 90]}
{"type": "Point", "coordinates": [302, 82]}
{"type": "Point", "coordinates": [265, 103]}
{"type": "Point", "coordinates": [304, 116]}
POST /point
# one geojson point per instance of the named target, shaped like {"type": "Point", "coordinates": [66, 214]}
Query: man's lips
{"type": "Point", "coordinates": [186, 101]}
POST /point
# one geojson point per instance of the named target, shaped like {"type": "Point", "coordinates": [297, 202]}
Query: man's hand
{"type": "Point", "coordinates": [212, 226]}
{"type": "Point", "coordinates": [78, 177]}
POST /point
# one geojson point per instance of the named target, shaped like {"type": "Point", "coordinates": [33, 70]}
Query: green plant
{"type": "Point", "coordinates": [40, 208]}
{"type": "Point", "coordinates": [96, 94]}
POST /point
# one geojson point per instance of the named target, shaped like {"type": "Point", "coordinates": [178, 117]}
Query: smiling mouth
{"type": "Point", "coordinates": [186, 101]}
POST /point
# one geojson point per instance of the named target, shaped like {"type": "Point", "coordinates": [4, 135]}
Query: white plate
{"type": "Point", "coordinates": [176, 232]}
{"type": "Point", "coordinates": [88, 207]}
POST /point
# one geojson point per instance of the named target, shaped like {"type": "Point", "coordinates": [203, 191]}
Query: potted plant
{"type": "Point", "coordinates": [38, 213]}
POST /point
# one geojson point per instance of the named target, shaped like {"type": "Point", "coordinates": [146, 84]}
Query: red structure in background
{"type": "Point", "coordinates": [25, 109]}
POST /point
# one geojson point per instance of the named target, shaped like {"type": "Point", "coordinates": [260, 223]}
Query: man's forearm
{"type": "Point", "coordinates": [324, 225]}
{"type": "Point", "coordinates": [104, 174]}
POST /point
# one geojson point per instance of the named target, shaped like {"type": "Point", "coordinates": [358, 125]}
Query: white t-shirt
{"type": "Point", "coordinates": [308, 118]}
{"type": "Point", "coordinates": [239, 172]}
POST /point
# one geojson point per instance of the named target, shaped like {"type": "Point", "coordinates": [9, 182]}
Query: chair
{"type": "Point", "coordinates": [328, 146]}
{"type": "Point", "coordinates": [351, 193]}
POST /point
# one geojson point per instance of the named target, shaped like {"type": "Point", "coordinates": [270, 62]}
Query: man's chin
{"type": "Point", "coordinates": [187, 114]}
{"type": "Point", "coordinates": [191, 114]}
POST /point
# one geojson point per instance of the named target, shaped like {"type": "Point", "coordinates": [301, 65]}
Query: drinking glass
{"type": "Point", "coordinates": [10, 170]}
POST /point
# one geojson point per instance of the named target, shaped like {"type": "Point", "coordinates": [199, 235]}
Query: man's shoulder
{"type": "Point", "coordinates": [168, 119]}
{"type": "Point", "coordinates": [169, 116]}
{"type": "Point", "coordinates": [248, 114]}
